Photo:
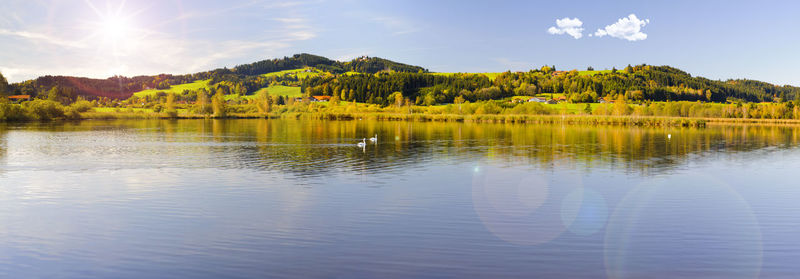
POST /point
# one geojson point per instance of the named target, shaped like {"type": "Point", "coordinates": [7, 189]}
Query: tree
{"type": "Point", "coordinates": [459, 100]}
{"type": "Point", "coordinates": [201, 106]}
{"type": "Point", "coordinates": [590, 68]}
{"type": "Point", "coordinates": [334, 99]}
{"type": "Point", "coordinates": [3, 86]}
{"type": "Point", "coordinates": [52, 94]}
{"type": "Point", "coordinates": [396, 98]}
{"type": "Point", "coordinates": [170, 105]}
{"type": "Point", "coordinates": [620, 106]}
{"type": "Point", "coordinates": [429, 100]}
{"type": "Point", "coordinates": [263, 101]}
{"type": "Point", "coordinates": [273, 100]}
{"type": "Point", "coordinates": [218, 105]}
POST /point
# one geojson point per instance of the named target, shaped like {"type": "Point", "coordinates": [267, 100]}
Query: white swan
{"type": "Point", "coordinates": [362, 143]}
{"type": "Point", "coordinates": [669, 136]}
{"type": "Point", "coordinates": [374, 139]}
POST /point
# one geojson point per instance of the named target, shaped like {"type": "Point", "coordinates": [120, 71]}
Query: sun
{"type": "Point", "coordinates": [114, 26]}
{"type": "Point", "coordinates": [115, 29]}
{"type": "Point", "coordinates": [115, 34]}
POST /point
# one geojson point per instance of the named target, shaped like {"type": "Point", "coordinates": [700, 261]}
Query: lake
{"type": "Point", "coordinates": [298, 199]}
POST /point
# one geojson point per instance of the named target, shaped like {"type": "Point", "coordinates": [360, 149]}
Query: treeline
{"type": "Point", "coordinates": [116, 87]}
{"type": "Point", "coordinates": [634, 83]}
{"type": "Point", "coordinates": [372, 80]}
{"type": "Point", "coordinates": [364, 64]}
{"type": "Point", "coordinates": [376, 88]}
{"type": "Point", "coordinates": [119, 87]}
{"type": "Point", "coordinates": [42, 110]}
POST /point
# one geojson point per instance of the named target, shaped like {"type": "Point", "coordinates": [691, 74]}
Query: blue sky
{"type": "Point", "coordinates": [99, 38]}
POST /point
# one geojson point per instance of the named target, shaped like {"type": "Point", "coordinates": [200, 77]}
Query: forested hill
{"type": "Point", "coordinates": [373, 80]}
{"type": "Point", "coordinates": [123, 87]}
{"type": "Point", "coordinates": [362, 64]}
{"type": "Point", "coordinates": [634, 83]}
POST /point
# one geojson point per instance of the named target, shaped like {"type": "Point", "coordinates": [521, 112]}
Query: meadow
{"type": "Point", "coordinates": [177, 89]}
{"type": "Point", "coordinates": [493, 76]}
{"type": "Point", "coordinates": [280, 90]}
{"type": "Point", "coordinates": [299, 73]}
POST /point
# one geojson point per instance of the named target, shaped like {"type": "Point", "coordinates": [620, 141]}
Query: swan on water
{"type": "Point", "coordinates": [374, 139]}
{"type": "Point", "coordinates": [362, 143]}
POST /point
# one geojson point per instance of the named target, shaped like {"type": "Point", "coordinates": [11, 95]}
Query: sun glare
{"type": "Point", "coordinates": [115, 29]}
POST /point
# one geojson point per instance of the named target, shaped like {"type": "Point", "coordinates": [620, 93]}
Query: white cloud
{"type": "Point", "coordinates": [628, 28]}
{"type": "Point", "coordinates": [296, 28]}
{"type": "Point", "coordinates": [290, 19]}
{"type": "Point", "coordinates": [569, 26]}
{"type": "Point", "coordinates": [397, 25]}
{"type": "Point", "coordinates": [42, 38]}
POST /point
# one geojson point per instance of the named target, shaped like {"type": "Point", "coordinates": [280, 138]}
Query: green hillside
{"type": "Point", "coordinates": [177, 89]}
{"type": "Point", "coordinates": [280, 90]}
{"type": "Point", "coordinates": [299, 73]}
{"type": "Point", "coordinates": [491, 76]}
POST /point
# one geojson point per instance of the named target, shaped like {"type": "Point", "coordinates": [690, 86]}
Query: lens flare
{"type": "Point", "coordinates": [522, 207]}
{"type": "Point", "coordinates": [690, 226]}
{"type": "Point", "coordinates": [584, 211]}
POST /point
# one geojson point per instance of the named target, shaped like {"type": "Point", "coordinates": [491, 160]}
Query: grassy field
{"type": "Point", "coordinates": [108, 109]}
{"type": "Point", "coordinates": [177, 89]}
{"type": "Point", "coordinates": [279, 90]}
{"type": "Point", "coordinates": [573, 108]}
{"type": "Point", "coordinates": [299, 73]}
{"type": "Point", "coordinates": [275, 90]}
{"type": "Point", "coordinates": [570, 107]}
{"type": "Point", "coordinates": [491, 76]}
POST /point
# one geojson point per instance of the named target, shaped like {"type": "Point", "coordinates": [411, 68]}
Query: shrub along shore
{"type": "Point", "coordinates": [690, 114]}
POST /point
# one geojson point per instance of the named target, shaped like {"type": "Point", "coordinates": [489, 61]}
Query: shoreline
{"type": "Point", "coordinates": [573, 119]}
{"type": "Point", "coordinates": [419, 117]}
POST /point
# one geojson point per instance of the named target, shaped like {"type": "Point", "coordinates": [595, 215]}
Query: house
{"type": "Point", "coordinates": [551, 102]}
{"type": "Point", "coordinates": [319, 98]}
{"type": "Point", "coordinates": [605, 101]}
{"type": "Point", "coordinates": [561, 99]}
{"type": "Point", "coordinates": [537, 100]}
{"type": "Point", "coordinates": [19, 98]}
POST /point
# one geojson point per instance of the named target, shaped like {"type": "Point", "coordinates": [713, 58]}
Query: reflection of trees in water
{"type": "Point", "coordinates": [3, 146]}
{"type": "Point", "coordinates": [316, 148]}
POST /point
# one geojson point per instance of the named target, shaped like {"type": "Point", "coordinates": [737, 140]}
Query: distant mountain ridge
{"type": "Point", "coordinates": [364, 64]}
{"type": "Point", "coordinates": [119, 87]}
{"type": "Point", "coordinates": [361, 78]}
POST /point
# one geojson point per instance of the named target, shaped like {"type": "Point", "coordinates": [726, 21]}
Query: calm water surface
{"type": "Point", "coordinates": [298, 199]}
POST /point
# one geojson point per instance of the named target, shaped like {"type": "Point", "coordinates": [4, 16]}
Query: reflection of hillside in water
{"type": "Point", "coordinates": [3, 131]}
{"type": "Point", "coordinates": [316, 148]}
